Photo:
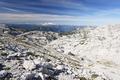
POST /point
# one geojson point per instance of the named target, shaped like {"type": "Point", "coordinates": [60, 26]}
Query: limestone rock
{"type": "Point", "coordinates": [4, 74]}
{"type": "Point", "coordinates": [29, 65]}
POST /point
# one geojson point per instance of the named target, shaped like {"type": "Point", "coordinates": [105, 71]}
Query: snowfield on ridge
{"type": "Point", "coordinates": [98, 47]}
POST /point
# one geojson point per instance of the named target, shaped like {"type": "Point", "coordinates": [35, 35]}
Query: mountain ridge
{"type": "Point", "coordinates": [84, 54]}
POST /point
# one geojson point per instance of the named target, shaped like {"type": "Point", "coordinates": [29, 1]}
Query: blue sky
{"type": "Point", "coordinates": [75, 12]}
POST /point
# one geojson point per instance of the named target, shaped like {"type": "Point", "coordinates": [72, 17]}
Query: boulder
{"type": "Point", "coordinates": [4, 74]}
{"type": "Point", "coordinates": [32, 76]}
{"type": "Point", "coordinates": [47, 65]}
{"type": "Point", "coordinates": [29, 65]}
{"type": "Point", "coordinates": [27, 76]}
{"type": "Point", "coordinates": [47, 71]}
{"type": "Point", "coordinates": [60, 67]}
{"type": "Point", "coordinates": [41, 76]}
{"type": "Point", "coordinates": [1, 66]}
{"type": "Point", "coordinates": [37, 61]}
{"type": "Point", "coordinates": [14, 55]}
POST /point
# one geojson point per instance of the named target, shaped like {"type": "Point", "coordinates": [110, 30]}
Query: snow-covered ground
{"type": "Point", "coordinates": [85, 54]}
{"type": "Point", "coordinates": [99, 46]}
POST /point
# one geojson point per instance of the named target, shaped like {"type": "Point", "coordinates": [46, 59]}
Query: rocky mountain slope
{"type": "Point", "coordinates": [85, 54]}
{"type": "Point", "coordinates": [99, 49]}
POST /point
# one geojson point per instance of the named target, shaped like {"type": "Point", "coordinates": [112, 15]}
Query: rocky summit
{"type": "Point", "coordinates": [90, 53]}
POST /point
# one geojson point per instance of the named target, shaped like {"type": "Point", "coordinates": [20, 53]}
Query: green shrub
{"type": "Point", "coordinates": [6, 68]}
{"type": "Point", "coordinates": [4, 54]}
{"type": "Point", "coordinates": [82, 78]}
{"type": "Point", "coordinates": [94, 76]}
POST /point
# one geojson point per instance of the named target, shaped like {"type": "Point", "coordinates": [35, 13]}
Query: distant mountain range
{"type": "Point", "coordinates": [86, 54]}
{"type": "Point", "coordinates": [53, 28]}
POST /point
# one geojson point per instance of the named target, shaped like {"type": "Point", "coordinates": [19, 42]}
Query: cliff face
{"type": "Point", "coordinates": [86, 54]}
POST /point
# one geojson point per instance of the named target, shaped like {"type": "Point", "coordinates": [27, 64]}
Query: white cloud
{"type": "Point", "coordinates": [101, 17]}
{"type": "Point", "coordinates": [10, 9]}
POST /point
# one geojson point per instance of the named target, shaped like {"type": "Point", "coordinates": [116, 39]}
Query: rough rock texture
{"type": "Point", "coordinates": [97, 48]}
{"type": "Point", "coordinates": [86, 54]}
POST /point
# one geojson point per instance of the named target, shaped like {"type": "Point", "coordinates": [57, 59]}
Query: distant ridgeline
{"type": "Point", "coordinates": [53, 28]}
